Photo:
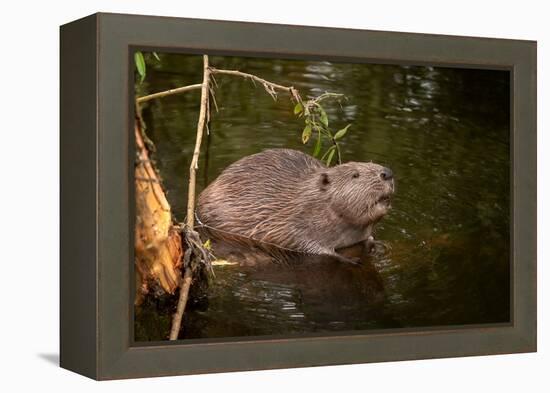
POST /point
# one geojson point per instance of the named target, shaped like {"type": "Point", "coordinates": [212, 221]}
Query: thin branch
{"type": "Point", "coordinates": [270, 87]}
{"type": "Point", "coordinates": [190, 254]}
{"type": "Point", "coordinates": [213, 95]}
{"type": "Point", "coordinates": [326, 95]}
{"type": "Point", "coordinates": [182, 301]}
{"type": "Point", "coordinates": [338, 152]}
{"type": "Point", "coordinates": [170, 92]}
{"type": "Point", "coordinates": [200, 130]}
{"type": "Point", "coordinates": [215, 82]}
{"type": "Point", "coordinates": [314, 102]}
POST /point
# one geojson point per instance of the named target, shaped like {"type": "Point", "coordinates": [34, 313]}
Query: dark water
{"type": "Point", "coordinates": [445, 134]}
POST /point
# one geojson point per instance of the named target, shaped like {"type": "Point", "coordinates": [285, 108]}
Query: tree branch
{"type": "Point", "coordinates": [326, 95]}
{"type": "Point", "coordinates": [170, 92]}
{"type": "Point", "coordinates": [182, 302]}
{"type": "Point", "coordinates": [200, 131]}
{"type": "Point", "coordinates": [270, 87]}
{"type": "Point", "coordinates": [189, 266]}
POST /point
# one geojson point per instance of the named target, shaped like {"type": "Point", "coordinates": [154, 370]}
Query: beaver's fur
{"type": "Point", "coordinates": [283, 200]}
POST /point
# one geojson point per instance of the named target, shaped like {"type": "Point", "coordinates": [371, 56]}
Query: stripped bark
{"type": "Point", "coordinates": [158, 251]}
{"type": "Point", "coordinates": [200, 131]}
{"type": "Point", "coordinates": [190, 266]}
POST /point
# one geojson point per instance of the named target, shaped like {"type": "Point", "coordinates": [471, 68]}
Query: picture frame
{"type": "Point", "coordinates": [96, 198]}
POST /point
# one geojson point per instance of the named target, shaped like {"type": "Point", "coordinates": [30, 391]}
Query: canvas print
{"type": "Point", "coordinates": [295, 197]}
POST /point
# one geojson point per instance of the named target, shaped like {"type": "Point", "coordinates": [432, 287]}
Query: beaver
{"type": "Point", "coordinates": [284, 201]}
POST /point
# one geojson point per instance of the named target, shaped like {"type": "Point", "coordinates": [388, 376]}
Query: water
{"type": "Point", "coordinates": [445, 134]}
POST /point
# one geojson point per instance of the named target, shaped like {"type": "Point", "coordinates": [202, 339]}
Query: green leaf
{"type": "Point", "coordinates": [330, 156]}
{"type": "Point", "coordinates": [323, 116]}
{"type": "Point", "coordinates": [207, 244]}
{"type": "Point", "coordinates": [140, 64]}
{"type": "Point", "coordinates": [341, 132]}
{"type": "Point", "coordinates": [306, 134]}
{"type": "Point", "coordinates": [328, 152]}
{"type": "Point", "coordinates": [317, 148]}
{"type": "Point", "coordinates": [298, 108]}
{"type": "Point", "coordinates": [156, 56]}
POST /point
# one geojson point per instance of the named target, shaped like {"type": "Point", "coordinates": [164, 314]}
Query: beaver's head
{"type": "Point", "coordinates": [359, 192]}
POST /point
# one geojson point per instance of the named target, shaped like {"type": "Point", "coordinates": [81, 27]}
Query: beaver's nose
{"type": "Point", "coordinates": [386, 174]}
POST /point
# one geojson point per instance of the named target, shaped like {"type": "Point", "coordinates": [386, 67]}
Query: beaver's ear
{"type": "Point", "coordinates": [324, 181]}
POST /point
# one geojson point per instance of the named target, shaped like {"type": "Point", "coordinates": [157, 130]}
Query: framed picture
{"type": "Point", "coordinates": [241, 196]}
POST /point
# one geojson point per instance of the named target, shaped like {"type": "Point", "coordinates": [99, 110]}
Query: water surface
{"type": "Point", "coordinates": [445, 134]}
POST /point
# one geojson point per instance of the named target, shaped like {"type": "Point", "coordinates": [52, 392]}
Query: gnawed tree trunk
{"type": "Point", "coordinates": [158, 245]}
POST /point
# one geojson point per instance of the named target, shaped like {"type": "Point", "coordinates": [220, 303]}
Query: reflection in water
{"type": "Point", "coordinates": [445, 134]}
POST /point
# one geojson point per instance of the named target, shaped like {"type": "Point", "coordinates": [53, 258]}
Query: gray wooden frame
{"type": "Point", "coordinates": [97, 205]}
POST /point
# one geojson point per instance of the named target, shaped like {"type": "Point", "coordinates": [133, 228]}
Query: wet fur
{"type": "Point", "coordinates": [281, 199]}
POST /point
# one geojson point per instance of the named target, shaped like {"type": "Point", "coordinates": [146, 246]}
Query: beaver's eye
{"type": "Point", "coordinates": [355, 175]}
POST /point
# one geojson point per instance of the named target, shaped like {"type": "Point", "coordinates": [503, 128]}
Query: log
{"type": "Point", "coordinates": [158, 245]}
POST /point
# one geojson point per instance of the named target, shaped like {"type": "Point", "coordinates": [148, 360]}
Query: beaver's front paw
{"type": "Point", "coordinates": [376, 247]}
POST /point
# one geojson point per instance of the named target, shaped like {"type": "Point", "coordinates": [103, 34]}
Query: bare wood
{"type": "Point", "coordinates": [188, 276]}
{"type": "Point", "coordinates": [200, 131]}
{"type": "Point", "coordinates": [157, 248]}
{"type": "Point", "coordinates": [170, 92]}
{"type": "Point", "coordinates": [148, 173]}
{"type": "Point", "coordinates": [270, 87]}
